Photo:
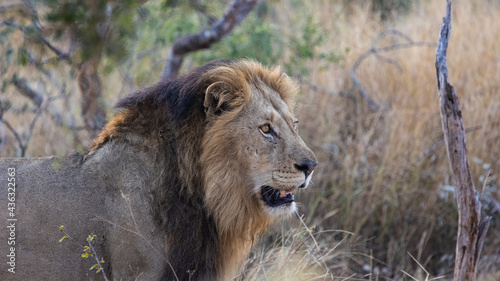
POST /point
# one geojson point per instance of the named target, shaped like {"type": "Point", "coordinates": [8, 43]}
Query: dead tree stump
{"type": "Point", "coordinates": [471, 231]}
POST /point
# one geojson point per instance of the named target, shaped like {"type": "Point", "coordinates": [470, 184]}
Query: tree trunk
{"type": "Point", "coordinates": [471, 231]}
{"type": "Point", "coordinates": [89, 82]}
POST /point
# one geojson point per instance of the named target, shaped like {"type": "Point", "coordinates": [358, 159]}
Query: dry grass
{"type": "Point", "coordinates": [299, 253]}
{"type": "Point", "coordinates": [383, 176]}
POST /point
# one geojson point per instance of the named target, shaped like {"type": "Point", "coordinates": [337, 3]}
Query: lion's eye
{"type": "Point", "coordinates": [295, 125]}
{"type": "Point", "coordinates": [266, 129]}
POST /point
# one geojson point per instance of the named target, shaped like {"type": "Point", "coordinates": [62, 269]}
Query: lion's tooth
{"type": "Point", "coordinates": [282, 193]}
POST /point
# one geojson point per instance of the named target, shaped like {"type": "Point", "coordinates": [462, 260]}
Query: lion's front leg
{"type": "Point", "coordinates": [135, 246]}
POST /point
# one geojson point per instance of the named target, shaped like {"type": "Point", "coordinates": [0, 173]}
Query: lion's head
{"type": "Point", "coordinates": [253, 157]}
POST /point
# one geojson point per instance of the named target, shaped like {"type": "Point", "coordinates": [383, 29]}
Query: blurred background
{"type": "Point", "coordinates": [381, 206]}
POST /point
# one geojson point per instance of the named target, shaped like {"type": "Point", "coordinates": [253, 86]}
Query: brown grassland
{"type": "Point", "coordinates": [380, 204]}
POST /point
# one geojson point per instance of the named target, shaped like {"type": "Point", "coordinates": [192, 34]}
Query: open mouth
{"type": "Point", "coordinates": [274, 197]}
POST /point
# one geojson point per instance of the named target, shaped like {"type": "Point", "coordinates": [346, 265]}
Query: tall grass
{"type": "Point", "coordinates": [384, 175]}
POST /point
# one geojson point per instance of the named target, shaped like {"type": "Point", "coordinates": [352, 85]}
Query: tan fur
{"type": "Point", "coordinates": [112, 129]}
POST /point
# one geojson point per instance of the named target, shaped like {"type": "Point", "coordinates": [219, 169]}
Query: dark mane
{"type": "Point", "coordinates": [179, 95]}
{"type": "Point", "coordinates": [175, 109]}
{"type": "Point", "coordinates": [168, 103]}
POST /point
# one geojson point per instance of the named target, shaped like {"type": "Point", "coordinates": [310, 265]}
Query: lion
{"type": "Point", "coordinates": [178, 186]}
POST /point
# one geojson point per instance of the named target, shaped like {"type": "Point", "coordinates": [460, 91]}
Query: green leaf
{"type": "Point", "coordinates": [62, 239]}
{"type": "Point", "coordinates": [22, 57]}
{"type": "Point", "coordinates": [4, 85]}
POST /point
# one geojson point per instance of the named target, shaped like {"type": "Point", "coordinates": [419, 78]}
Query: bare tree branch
{"type": "Point", "coordinates": [42, 105]}
{"type": "Point", "coordinates": [3, 139]}
{"type": "Point", "coordinates": [90, 243]}
{"type": "Point", "coordinates": [317, 88]}
{"type": "Point", "coordinates": [471, 230]}
{"type": "Point", "coordinates": [35, 22]}
{"type": "Point", "coordinates": [22, 148]}
{"type": "Point", "coordinates": [442, 143]}
{"type": "Point", "coordinates": [26, 91]}
{"type": "Point", "coordinates": [31, 128]}
{"type": "Point", "coordinates": [37, 98]}
{"type": "Point", "coordinates": [236, 12]}
{"type": "Point", "coordinates": [395, 33]}
{"type": "Point", "coordinates": [374, 50]}
{"type": "Point", "coordinates": [371, 104]}
{"type": "Point", "coordinates": [60, 54]}
{"type": "Point", "coordinates": [23, 145]}
{"type": "Point", "coordinates": [93, 112]}
{"type": "Point", "coordinates": [56, 115]}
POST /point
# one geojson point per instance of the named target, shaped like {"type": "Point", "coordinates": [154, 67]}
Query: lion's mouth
{"type": "Point", "coordinates": [274, 197]}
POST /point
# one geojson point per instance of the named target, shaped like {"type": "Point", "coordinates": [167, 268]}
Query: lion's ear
{"type": "Point", "coordinates": [219, 98]}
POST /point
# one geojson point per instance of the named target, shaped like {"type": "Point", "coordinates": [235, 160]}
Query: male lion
{"type": "Point", "coordinates": [176, 187]}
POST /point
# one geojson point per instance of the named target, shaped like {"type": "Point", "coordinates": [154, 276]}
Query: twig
{"type": "Point", "coordinates": [3, 138]}
{"type": "Point", "coordinates": [35, 21]}
{"type": "Point", "coordinates": [37, 98]}
{"type": "Point", "coordinates": [91, 246]}
{"type": "Point", "coordinates": [26, 91]}
{"type": "Point", "coordinates": [60, 54]}
{"type": "Point", "coordinates": [55, 115]}
{"type": "Point", "coordinates": [375, 51]}
{"type": "Point", "coordinates": [32, 127]}
{"type": "Point", "coordinates": [42, 106]}
{"type": "Point", "coordinates": [396, 33]}
{"type": "Point", "coordinates": [22, 147]}
{"type": "Point", "coordinates": [317, 88]}
{"type": "Point", "coordinates": [99, 263]}
{"type": "Point", "coordinates": [442, 143]}
{"type": "Point", "coordinates": [66, 235]}
{"type": "Point", "coordinates": [371, 104]}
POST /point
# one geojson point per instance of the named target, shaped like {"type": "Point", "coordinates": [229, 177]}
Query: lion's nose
{"type": "Point", "coordinates": [306, 166]}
